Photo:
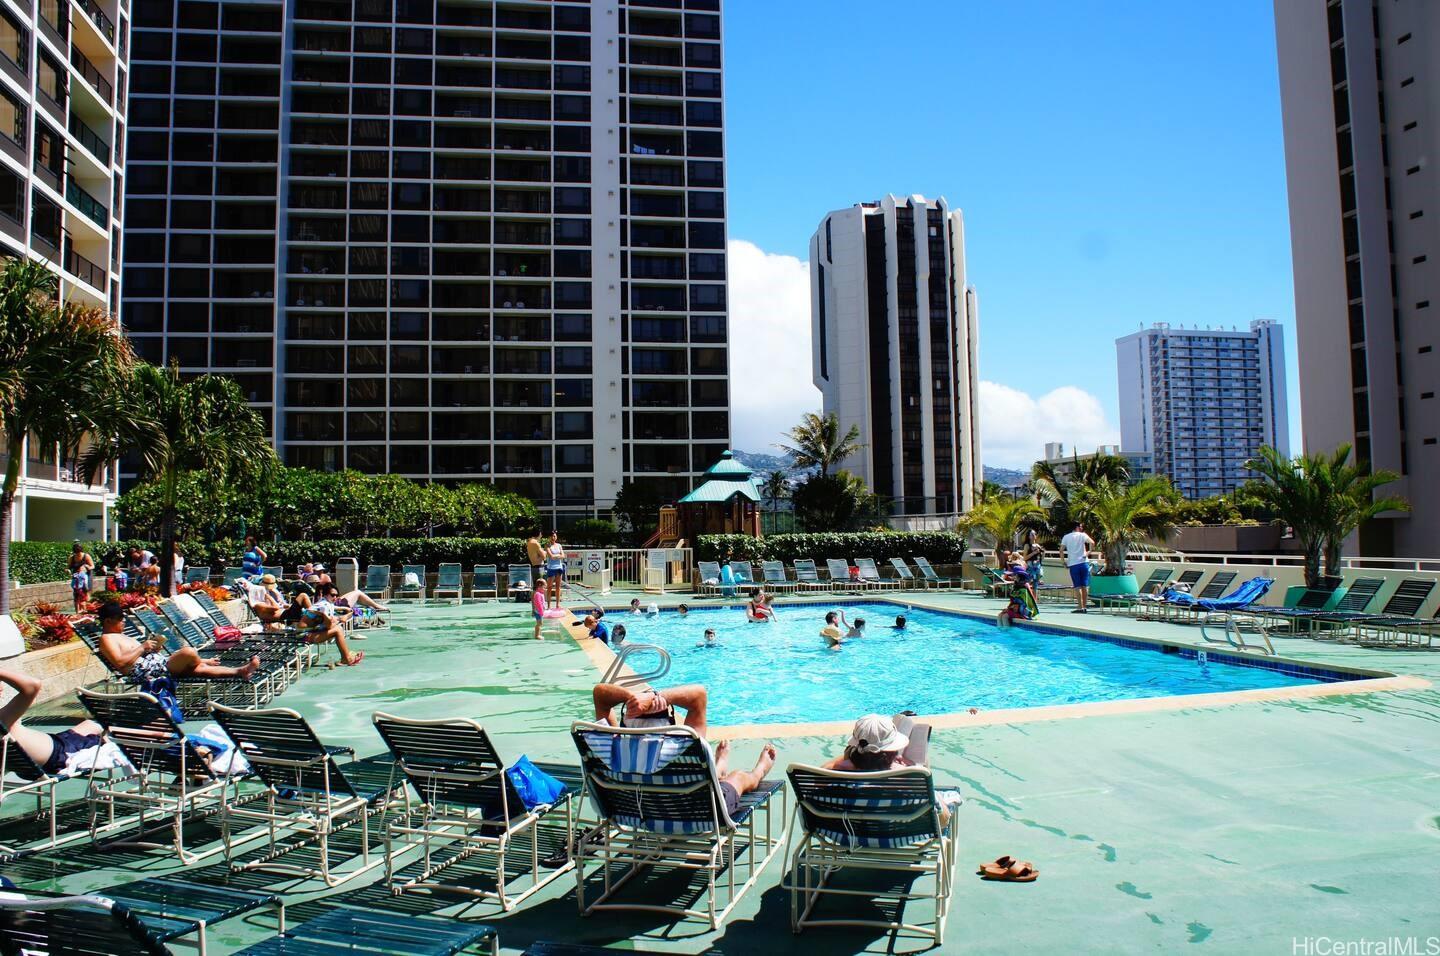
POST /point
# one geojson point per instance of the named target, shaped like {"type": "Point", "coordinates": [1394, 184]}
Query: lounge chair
{"type": "Point", "coordinates": [840, 579]}
{"type": "Point", "coordinates": [1180, 605]}
{"type": "Point", "coordinates": [1218, 584]}
{"type": "Point", "coordinates": [992, 580]}
{"type": "Point", "coordinates": [21, 776]}
{"type": "Point", "coordinates": [659, 802]}
{"type": "Point", "coordinates": [517, 575]}
{"type": "Point", "coordinates": [806, 577]}
{"type": "Point", "coordinates": [190, 689]}
{"type": "Point", "coordinates": [483, 581]}
{"type": "Point", "coordinates": [707, 578]}
{"type": "Point", "coordinates": [871, 575]}
{"type": "Point", "coordinates": [276, 570]}
{"type": "Point", "coordinates": [468, 803]}
{"type": "Point", "coordinates": [928, 573]}
{"type": "Point", "coordinates": [197, 575]}
{"type": "Point", "coordinates": [378, 933]}
{"type": "Point", "coordinates": [885, 821]}
{"type": "Point", "coordinates": [1147, 591]}
{"type": "Point", "coordinates": [448, 582]}
{"type": "Point", "coordinates": [44, 923]}
{"type": "Point", "coordinates": [1410, 595]}
{"type": "Point", "coordinates": [173, 780]}
{"type": "Point", "coordinates": [405, 590]}
{"type": "Point", "coordinates": [1400, 628]}
{"type": "Point", "coordinates": [905, 575]}
{"type": "Point", "coordinates": [744, 574]}
{"type": "Point", "coordinates": [309, 794]}
{"type": "Point", "coordinates": [259, 689]}
{"type": "Point", "coordinates": [1189, 578]}
{"type": "Point", "coordinates": [172, 907]}
{"type": "Point", "coordinates": [377, 581]}
{"type": "Point", "coordinates": [775, 579]}
{"type": "Point", "coordinates": [232, 575]}
{"type": "Point", "coordinates": [1313, 600]}
{"type": "Point", "coordinates": [287, 648]}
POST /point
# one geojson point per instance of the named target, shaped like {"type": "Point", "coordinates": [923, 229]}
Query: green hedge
{"type": "Point", "coordinates": [941, 547]}
{"type": "Point", "coordinates": [39, 562]}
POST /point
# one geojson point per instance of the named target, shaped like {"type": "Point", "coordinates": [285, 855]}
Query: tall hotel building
{"type": "Point", "coordinates": [1360, 91]}
{"type": "Point", "coordinates": [1201, 402]}
{"type": "Point", "coordinates": [449, 239]}
{"type": "Point", "coordinates": [62, 127]}
{"type": "Point", "coordinates": [894, 333]}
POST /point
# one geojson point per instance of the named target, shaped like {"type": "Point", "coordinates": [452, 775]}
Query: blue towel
{"type": "Point", "coordinates": [1242, 597]}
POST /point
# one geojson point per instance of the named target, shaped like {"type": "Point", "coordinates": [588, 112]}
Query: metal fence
{"type": "Point", "coordinates": [627, 565]}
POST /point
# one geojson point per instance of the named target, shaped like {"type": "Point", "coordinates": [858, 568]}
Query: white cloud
{"type": "Point", "coordinates": [770, 384]}
{"type": "Point", "coordinates": [1014, 426]}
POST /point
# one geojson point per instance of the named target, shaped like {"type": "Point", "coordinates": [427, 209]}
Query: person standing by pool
{"type": "Point", "coordinates": [535, 554]}
{"type": "Point", "coordinates": [1034, 555]}
{"type": "Point", "coordinates": [82, 567]}
{"type": "Point", "coordinates": [1076, 546]}
{"type": "Point", "coordinates": [253, 560]}
{"type": "Point", "coordinates": [554, 569]}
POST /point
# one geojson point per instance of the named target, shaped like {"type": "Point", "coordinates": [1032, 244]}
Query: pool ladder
{"type": "Point", "coordinates": [613, 672]}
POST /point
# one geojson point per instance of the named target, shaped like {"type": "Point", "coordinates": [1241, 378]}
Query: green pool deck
{"type": "Point", "coordinates": [1238, 828]}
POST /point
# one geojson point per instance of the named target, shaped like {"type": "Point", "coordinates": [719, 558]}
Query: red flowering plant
{"type": "Point", "coordinates": [53, 629]}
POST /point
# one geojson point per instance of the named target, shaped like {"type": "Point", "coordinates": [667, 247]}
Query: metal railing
{"type": "Point", "coordinates": [87, 204]}
{"type": "Point", "coordinates": [627, 565]}
{"type": "Point", "coordinates": [616, 672]}
{"type": "Point", "coordinates": [103, 23]}
{"type": "Point", "coordinates": [90, 139]}
{"type": "Point", "coordinates": [82, 267]}
{"type": "Point", "coordinates": [92, 75]}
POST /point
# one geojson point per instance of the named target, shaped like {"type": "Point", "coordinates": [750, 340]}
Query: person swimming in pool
{"type": "Point", "coordinates": [635, 607]}
{"type": "Point", "coordinates": [710, 639]}
{"type": "Point", "coordinates": [758, 610]}
{"type": "Point", "coordinates": [683, 610]}
{"type": "Point", "coordinates": [831, 631]}
{"type": "Point", "coordinates": [899, 624]}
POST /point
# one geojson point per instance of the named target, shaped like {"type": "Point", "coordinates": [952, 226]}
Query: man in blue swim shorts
{"type": "Point", "coordinates": [1077, 545]}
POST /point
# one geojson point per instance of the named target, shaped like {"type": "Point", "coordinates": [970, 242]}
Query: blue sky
{"type": "Point", "coordinates": [1117, 164]}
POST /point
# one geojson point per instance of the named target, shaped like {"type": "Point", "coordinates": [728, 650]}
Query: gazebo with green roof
{"type": "Point", "coordinates": [726, 502]}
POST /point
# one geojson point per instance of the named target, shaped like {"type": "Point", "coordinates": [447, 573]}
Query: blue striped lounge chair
{"type": "Point", "coordinates": [199, 575]}
{"type": "Point", "coordinates": [448, 581]}
{"type": "Point", "coordinates": [517, 578]}
{"type": "Point", "coordinates": [412, 582]}
{"type": "Point", "coordinates": [886, 821]}
{"type": "Point", "coordinates": [807, 578]}
{"type": "Point", "coordinates": [775, 578]}
{"type": "Point", "coordinates": [484, 581]}
{"type": "Point", "coordinates": [466, 801]}
{"type": "Point", "coordinates": [660, 807]}
{"type": "Point", "coordinates": [377, 581]}
{"type": "Point", "coordinates": [308, 795]}
{"type": "Point", "coordinates": [707, 577]}
{"type": "Point", "coordinates": [173, 780]}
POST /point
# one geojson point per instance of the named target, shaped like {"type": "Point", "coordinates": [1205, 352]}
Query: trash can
{"type": "Point", "coordinates": [347, 575]}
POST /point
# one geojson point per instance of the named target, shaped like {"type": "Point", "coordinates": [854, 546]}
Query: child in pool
{"type": "Point", "coordinates": [635, 607]}
{"type": "Point", "coordinates": [710, 640]}
{"type": "Point", "coordinates": [899, 624]}
{"type": "Point", "coordinates": [683, 609]}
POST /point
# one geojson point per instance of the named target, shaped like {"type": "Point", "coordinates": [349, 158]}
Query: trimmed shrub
{"type": "Point", "coordinates": [941, 547]}
{"type": "Point", "coordinates": [40, 562]}
{"type": "Point", "coordinates": [594, 533]}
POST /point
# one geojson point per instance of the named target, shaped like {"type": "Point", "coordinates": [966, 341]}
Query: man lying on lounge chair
{"type": "Point", "coordinates": [656, 708]}
{"type": "Point", "coordinates": [146, 660]}
{"type": "Point", "coordinates": [50, 752]}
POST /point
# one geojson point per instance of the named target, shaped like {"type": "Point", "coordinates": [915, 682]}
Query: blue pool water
{"type": "Point", "coordinates": [941, 663]}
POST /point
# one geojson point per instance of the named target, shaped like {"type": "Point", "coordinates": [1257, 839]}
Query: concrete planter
{"type": "Point", "coordinates": [1295, 592]}
{"type": "Point", "coordinates": [63, 668]}
{"type": "Point", "coordinates": [1109, 585]}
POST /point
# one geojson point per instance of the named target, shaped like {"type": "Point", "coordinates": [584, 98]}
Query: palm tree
{"type": "Point", "coordinates": [1351, 492]}
{"type": "Point", "coordinates": [62, 369]}
{"type": "Point", "coordinates": [1122, 515]}
{"type": "Point", "coordinates": [1001, 521]}
{"type": "Point", "coordinates": [817, 443]}
{"type": "Point", "coordinates": [1054, 489]}
{"type": "Point", "coordinates": [774, 486]}
{"type": "Point", "coordinates": [203, 425]}
{"type": "Point", "coordinates": [1323, 498]}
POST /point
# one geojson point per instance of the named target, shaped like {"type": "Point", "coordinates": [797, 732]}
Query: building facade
{"type": "Point", "coordinates": [63, 77]}
{"type": "Point", "coordinates": [451, 240]}
{"type": "Point", "coordinates": [1360, 86]}
{"type": "Point", "coordinates": [1201, 402]}
{"type": "Point", "coordinates": [894, 335]}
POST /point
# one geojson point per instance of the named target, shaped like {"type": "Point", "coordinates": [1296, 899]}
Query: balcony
{"type": "Point", "coordinates": [81, 267]}
{"type": "Point", "coordinates": [92, 75]}
{"type": "Point", "coordinates": [90, 139]}
{"type": "Point", "coordinates": [103, 23]}
{"type": "Point", "coordinates": [88, 204]}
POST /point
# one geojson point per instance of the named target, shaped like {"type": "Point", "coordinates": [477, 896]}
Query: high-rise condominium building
{"type": "Point", "coordinates": [1360, 90]}
{"type": "Point", "coordinates": [894, 333]}
{"type": "Point", "coordinates": [62, 121]}
{"type": "Point", "coordinates": [449, 239]}
{"type": "Point", "coordinates": [1201, 402]}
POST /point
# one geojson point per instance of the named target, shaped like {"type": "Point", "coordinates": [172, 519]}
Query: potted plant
{"type": "Point", "coordinates": [1119, 516]}
{"type": "Point", "coordinates": [1000, 520]}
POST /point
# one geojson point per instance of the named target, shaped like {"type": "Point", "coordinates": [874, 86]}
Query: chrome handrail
{"type": "Point", "coordinates": [613, 673]}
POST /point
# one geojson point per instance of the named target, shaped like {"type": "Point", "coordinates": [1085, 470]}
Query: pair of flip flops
{"type": "Point", "coordinates": [1007, 869]}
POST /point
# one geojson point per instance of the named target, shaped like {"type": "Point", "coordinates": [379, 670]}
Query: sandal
{"type": "Point", "coordinates": [1017, 872]}
{"type": "Point", "coordinates": [1000, 863]}
{"type": "Point", "coordinates": [354, 660]}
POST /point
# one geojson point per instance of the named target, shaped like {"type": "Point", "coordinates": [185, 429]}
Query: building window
{"type": "Point", "coordinates": [50, 79]}
{"type": "Point", "coordinates": [14, 40]}
{"type": "Point", "coordinates": [13, 117]}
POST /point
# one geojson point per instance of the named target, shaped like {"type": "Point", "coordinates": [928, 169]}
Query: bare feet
{"type": "Point", "coordinates": [249, 667]}
{"type": "Point", "coordinates": [722, 757]}
{"type": "Point", "coordinates": [766, 761]}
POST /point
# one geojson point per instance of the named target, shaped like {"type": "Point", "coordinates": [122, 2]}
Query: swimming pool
{"type": "Point", "coordinates": [941, 663]}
